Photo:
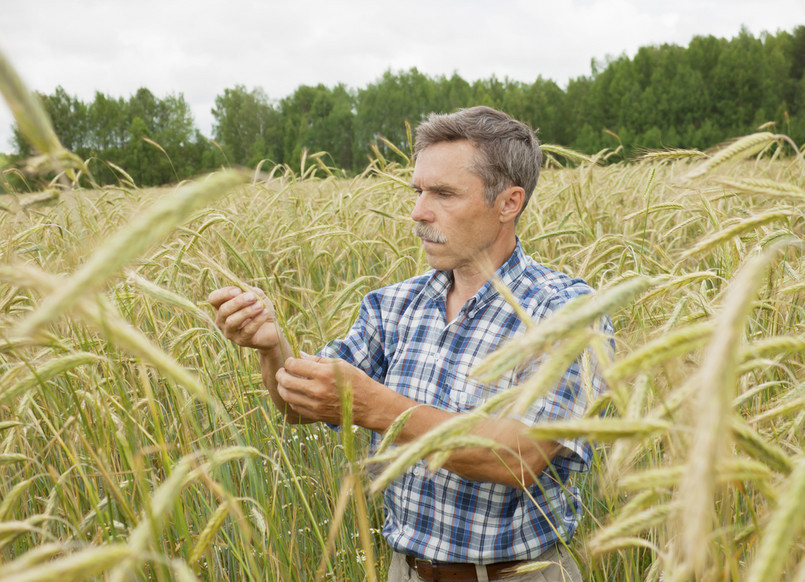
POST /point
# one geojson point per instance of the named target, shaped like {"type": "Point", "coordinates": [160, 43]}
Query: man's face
{"type": "Point", "coordinates": [453, 220]}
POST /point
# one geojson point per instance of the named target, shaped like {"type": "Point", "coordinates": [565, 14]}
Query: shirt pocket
{"type": "Point", "coordinates": [467, 393]}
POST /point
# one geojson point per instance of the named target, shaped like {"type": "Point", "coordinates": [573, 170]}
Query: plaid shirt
{"type": "Point", "coordinates": [402, 339]}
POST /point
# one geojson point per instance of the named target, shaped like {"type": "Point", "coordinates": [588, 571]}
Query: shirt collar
{"type": "Point", "coordinates": [440, 281]}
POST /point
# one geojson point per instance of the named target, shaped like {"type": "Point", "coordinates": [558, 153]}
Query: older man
{"type": "Point", "coordinates": [413, 345]}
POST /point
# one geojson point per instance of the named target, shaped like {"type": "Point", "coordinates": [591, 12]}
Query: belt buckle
{"type": "Point", "coordinates": [418, 561]}
{"type": "Point", "coordinates": [433, 568]}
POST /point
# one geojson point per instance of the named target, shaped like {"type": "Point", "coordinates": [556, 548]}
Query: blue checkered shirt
{"type": "Point", "coordinates": [402, 339]}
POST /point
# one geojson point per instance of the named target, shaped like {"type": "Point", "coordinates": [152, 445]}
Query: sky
{"type": "Point", "coordinates": [199, 48]}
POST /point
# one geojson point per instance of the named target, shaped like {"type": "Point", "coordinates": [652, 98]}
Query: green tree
{"type": "Point", "coordinates": [142, 160]}
{"type": "Point", "coordinates": [247, 126]}
{"type": "Point", "coordinates": [451, 94]}
{"type": "Point", "coordinates": [384, 108]}
{"type": "Point", "coordinates": [70, 121]}
{"type": "Point", "coordinates": [319, 119]}
{"type": "Point", "coordinates": [108, 123]}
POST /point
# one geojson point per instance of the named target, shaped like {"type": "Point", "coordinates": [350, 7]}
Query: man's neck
{"type": "Point", "coordinates": [468, 280]}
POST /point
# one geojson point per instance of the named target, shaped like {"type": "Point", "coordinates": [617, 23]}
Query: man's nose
{"type": "Point", "coordinates": [421, 212]}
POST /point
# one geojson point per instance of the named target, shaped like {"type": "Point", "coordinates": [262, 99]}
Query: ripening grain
{"type": "Point", "coordinates": [136, 441]}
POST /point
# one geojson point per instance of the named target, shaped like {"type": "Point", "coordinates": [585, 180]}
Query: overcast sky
{"type": "Point", "coordinates": [201, 47]}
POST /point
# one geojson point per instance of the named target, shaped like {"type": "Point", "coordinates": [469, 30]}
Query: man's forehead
{"type": "Point", "coordinates": [447, 156]}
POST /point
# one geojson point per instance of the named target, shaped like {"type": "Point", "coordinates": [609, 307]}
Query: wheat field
{"type": "Point", "coordinates": [137, 443]}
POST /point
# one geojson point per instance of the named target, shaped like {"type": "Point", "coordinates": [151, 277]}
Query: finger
{"type": "Point", "coordinates": [219, 296]}
{"type": "Point", "coordinates": [293, 380]}
{"type": "Point", "coordinates": [294, 389]}
{"type": "Point", "coordinates": [301, 410]}
{"type": "Point", "coordinates": [237, 303]}
{"type": "Point", "coordinates": [256, 311]}
{"type": "Point", "coordinates": [259, 292]}
{"type": "Point", "coordinates": [306, 367]}
{"type": "Point", "coordinates": [250, 325]}
{"type": "Point", "coordinates": [236, 321]}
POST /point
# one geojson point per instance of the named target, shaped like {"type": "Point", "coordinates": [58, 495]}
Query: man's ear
{"type": "Point", "coordinates": [513, 199]}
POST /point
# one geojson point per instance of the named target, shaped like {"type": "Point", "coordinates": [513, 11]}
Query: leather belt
{"type": "Point", "coordinates": [442, 572]}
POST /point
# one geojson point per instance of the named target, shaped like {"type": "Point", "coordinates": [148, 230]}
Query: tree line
{"type": "Point", "coordinates": [666, 96]}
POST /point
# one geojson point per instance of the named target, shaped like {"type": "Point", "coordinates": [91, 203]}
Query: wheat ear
{"type": "Point", "coordinates": [81, 565]}
{"type": "Point", "coordinates": [764, 187]}
{"type": "Point", "coordinates": [779, 535]}
{"type": "Point", "coordinates": [739, 149]}
{"type": "Point", "coordinates": [715, 383]}
{"type": "Point", "coordinates": [127, 244]}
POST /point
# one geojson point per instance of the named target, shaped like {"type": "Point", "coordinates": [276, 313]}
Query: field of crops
{"type": "Point", "coordinates": [136, 442]}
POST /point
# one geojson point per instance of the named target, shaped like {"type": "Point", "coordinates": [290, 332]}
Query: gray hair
{"type": "Point", "coordinates": [509, 153]}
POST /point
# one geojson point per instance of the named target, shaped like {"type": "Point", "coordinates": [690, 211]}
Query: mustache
{"type": "Point", "coordinates": [426, 232]}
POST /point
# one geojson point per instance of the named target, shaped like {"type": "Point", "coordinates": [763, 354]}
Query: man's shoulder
{"type": "Point", "coordinates": [542, 284]}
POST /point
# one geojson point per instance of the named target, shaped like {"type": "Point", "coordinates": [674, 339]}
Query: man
{"type": "Point", "coordinates": [414, 344]}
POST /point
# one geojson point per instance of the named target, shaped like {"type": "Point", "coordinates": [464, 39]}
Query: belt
{"type": "Point", "coordinates": [441, 572]}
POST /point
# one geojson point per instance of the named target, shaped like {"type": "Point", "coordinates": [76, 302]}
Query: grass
{"type": "Point", "coordinates": [135, 441]}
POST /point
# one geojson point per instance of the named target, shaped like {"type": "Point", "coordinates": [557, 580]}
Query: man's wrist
{"type": "Point", "coordinates": [272, 353]}
{"type": "Point", "coordinates": [386, 406]}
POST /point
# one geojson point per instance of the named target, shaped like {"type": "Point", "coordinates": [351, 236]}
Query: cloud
{"type": "Point", "coordinates": [202, 47]}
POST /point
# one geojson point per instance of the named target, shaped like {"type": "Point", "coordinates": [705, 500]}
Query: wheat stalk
{"type": "Point", "coordinates": [643, 212]}
{"type": "Point", "coordinates": [571, 318]}
{"type": "Point", "coordinates": [739, 149]}
{"type": "Point", "coordinates": [166, 296]}
{"type": "Point", "coordinates": [568, 153]}
{"type": "Point", "coordinates": [553, 366]}
{"type": "Point", "coordinates": [670, 155]}
{"type": "Point", "coordinates": [738, 228]}
{"type": "Point", "coordinates": [764, 186]}
{"type": "Point", "coordinates": [11, 389]}
{"type": "Point", "coordinates": [400, 458]}
{"type": "Point", "coordinates": [33, 122]}
{"type": "Point", "coordinates": [715, 386]}
{"type": "Point", "coordinates": [779, 535]}
{"type": "Point", "coordinates": [104, 317]}
{"type": "Point", "coordinates": [127, 244]}
{"type": "Point", "coordinates": [163, 500]}
{"type": "Point", "coordinates": [209, 532]}
{"type": "Point", "coordinates": [734, 469]}
{"type": "Point", "coordinates": [598, 429]}
{"type": "Point", "coordinates": [672, 344]}
{"type": "Point", "coordinates": [773, 347]}
{"type": "Point", "coordinates": [33, 557]}
{"type": "Point", "coordinates": [759, 448]}
{"type": "Point", "coordinates": [80, 565]}
{"type": "Point", "coordinates": [631, 524]}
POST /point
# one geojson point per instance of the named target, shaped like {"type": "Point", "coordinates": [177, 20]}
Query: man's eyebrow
{"type": "Point", "coordinates": [434, 187]}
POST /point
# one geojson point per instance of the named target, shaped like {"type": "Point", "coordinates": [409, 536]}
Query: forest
{"type": "Point", "coordinates": [665, 97]}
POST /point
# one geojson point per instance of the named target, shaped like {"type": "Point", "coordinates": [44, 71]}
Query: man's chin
{"type": "Point", "coordinates": [437, 253]}
{"type": "Point", "coordinates": [438, 263]}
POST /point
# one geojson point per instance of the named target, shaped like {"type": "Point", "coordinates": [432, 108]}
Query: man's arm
{"type": "Point", "coordinates": [306, 390]}
{"type": "Point", "coordinates": [247, 318]}
{"type": "Point", "coordinates": [309, 386]}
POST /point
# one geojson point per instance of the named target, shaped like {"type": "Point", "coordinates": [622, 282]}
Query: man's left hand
{"type": "Point", "coordinates": [310, 385]}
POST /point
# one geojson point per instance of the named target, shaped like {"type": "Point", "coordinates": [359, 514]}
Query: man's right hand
{"type": "Point", "coordinates": [246, 317]}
